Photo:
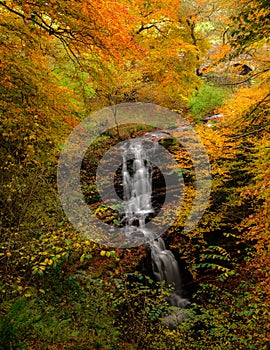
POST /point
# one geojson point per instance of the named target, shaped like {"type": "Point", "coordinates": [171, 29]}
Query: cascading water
{"type": "Point", "coordinates": [137, 190]}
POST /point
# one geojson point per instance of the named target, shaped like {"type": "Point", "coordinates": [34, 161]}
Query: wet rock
{"type": "Point", "coordinates": [175, 318]}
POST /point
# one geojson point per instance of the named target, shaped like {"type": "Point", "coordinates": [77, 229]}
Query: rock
{"type": "Point", "coordinates": [175, 318]}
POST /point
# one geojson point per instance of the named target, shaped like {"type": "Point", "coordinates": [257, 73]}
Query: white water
{"type": "Point", "coordinates": [137, 188]}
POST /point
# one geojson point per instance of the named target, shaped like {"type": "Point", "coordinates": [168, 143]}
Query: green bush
{"type": "Point", "coordinates": [78, 317]}
{"type": "Point", "coordinates": [204, 101]}
{"type": "Point", "coordinates": [140, 306]}
{"type": "Point", "coordinates": [223, 320]}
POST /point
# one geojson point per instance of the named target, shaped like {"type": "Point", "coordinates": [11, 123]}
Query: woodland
{"type": "Point", "coordinates": [59, 62]}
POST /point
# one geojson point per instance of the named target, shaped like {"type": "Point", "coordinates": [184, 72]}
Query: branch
{"type": "Point", "coordinates": [61, 34]}
{"type": "Point", "coordinates": [258, 105]}
{"type": "Point", "coordinates": [248, 79]}
{"type": "Point", "coordinates": [153, 25]}
{"type": "Point", "coordinates": [249, 133]}
{"type": "Point", "coordinates": [68, 50]}
{"type": "Point", "coordinates": [23, 16]}
{"type": "Point", "coordinates": [192, 26]}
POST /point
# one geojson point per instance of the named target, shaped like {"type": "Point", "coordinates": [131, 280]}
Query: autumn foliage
{"type": "Point", "coordinates": [206, 60]}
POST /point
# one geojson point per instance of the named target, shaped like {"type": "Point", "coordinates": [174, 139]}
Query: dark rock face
{"type": "Point", "coordinates": [244, 69]}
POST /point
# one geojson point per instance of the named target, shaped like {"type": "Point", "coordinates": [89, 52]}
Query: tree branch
{"type": "Point", "coordinates": [248, 79]}
{"type": "Point", "coordinates": [249, 133]}
{"type": "Point", "coordinates": [23, 16]}
{"type": "Point", "coordinates": [61, 34]}
{"type": "Point", "coordinates": [258, 105]}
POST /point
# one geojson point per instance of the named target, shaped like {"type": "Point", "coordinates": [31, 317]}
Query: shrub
{"type": "Point", "coordinates": [204, 101]}
{"type": "Point", "coordinates": [78, 317]}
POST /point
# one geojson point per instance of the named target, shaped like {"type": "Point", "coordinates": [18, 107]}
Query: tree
{"type": "Point", "coordinates": [165, 72]}
{"type": "Point", "coordinates": [99, 29]}
{"type": "Point", "coordinates": [251, 25]}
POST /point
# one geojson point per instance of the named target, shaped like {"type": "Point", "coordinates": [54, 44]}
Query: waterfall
{"type": "Point", "coordinates": [137, 192]}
